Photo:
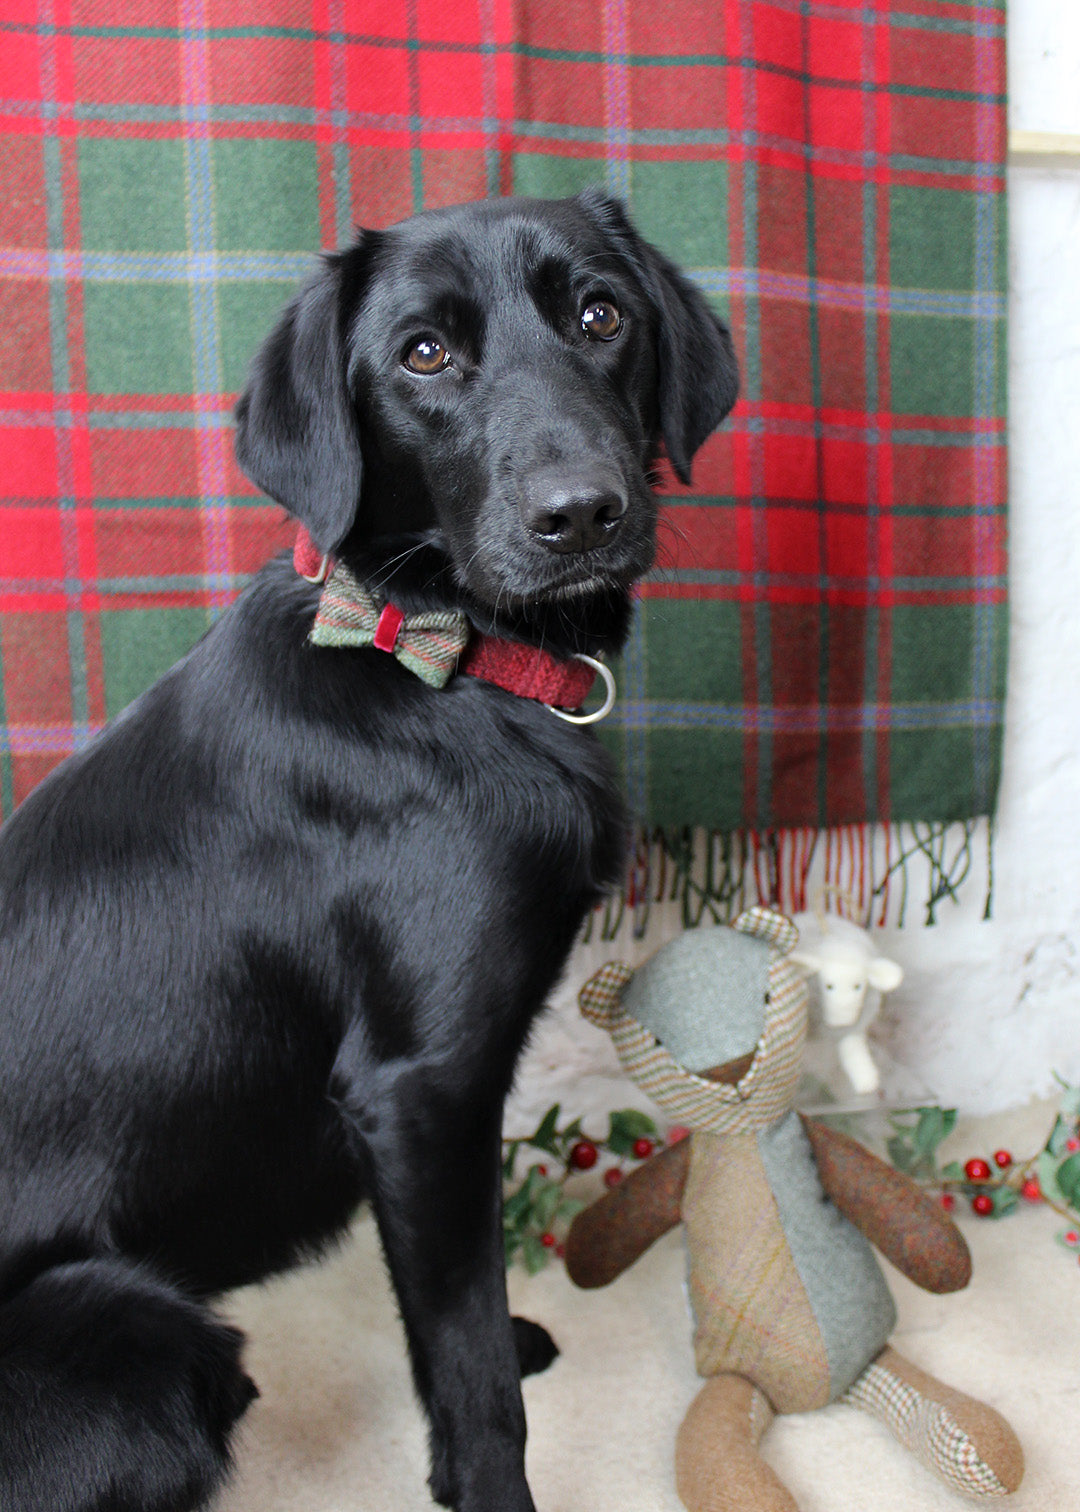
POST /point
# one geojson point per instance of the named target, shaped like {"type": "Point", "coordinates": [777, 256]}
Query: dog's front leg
{"type": "Point", "coordinates": [435, 1171]}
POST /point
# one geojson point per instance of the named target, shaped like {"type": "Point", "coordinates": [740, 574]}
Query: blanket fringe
{"type": "Point", "coordinates": [870, 874]}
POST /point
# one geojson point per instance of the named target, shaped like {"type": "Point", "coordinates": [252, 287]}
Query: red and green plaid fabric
{"type": "Point", "coordinates": [823, 641]}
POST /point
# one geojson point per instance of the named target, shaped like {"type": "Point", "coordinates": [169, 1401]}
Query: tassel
{"type": "Point", "coordinates": [865, 872]}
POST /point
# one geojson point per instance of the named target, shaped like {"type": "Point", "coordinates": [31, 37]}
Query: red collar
{"type": "Point", "coordinates": [525, 670]}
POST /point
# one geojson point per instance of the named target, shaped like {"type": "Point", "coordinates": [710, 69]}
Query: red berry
{"type": "Point", "coordinates": [976, 1170]}
{"type": "Point", "coordinates": [676, 1133]}
{"type": "Point", "coordinates": [612, 1176]}
{"type": "Point", "coordinates": [1072, 1237]}
{"type": "Point", "coordinates": [642, 1148]}
{"type": "Point", "coordinates": [548, 1241]}
{"type": "Point", "coordinates": [1002, 1158]}
{"type": "Point", "coordinates": [948, 1201]}
{"type": "Point", "coordinates": [583, 1155]}
{"type": "Point", "coordinates": [560, 1250]}
{"type": "Point", "coordinates": [541, 1170]}
{"type": "Point", "coordinates": [1073, 1143]}
{"type": "Point", "coordinates": [983, 1204]}
{"type": "Point", "coordinates": [1031, 1189]}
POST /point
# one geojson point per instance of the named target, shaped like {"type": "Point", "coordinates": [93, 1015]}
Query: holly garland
{"type": "Point", "coordinates": [994, 1188]}
{"type": "Point", "coordinates": [537, 1209]}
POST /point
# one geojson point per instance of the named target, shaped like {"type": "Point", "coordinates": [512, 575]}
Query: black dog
{"type": "Point", "coordinates": [273, 942]}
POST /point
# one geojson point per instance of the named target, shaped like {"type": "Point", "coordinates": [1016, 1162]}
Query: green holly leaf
{"type": "Point", "coordinates": [1070, 1102]}
{"type": "Point", "coordinates": [1068, 1179]}
{"type": "Point", "coordinates": [900, 1153]}
{"type": "Point", "coordinates": [544, 1138]}
{"type": "Point", "coordinates": [1047, 1168]}
{"type": "Point", "coordinates": [626, 1126]}
{"type": "Point", "coordinates": [520, 1202]}
{"type": "Point", "coordinates": [546, 1205]}
{"type": "Point", "coordinates": [511, 1155]}
{"type": "Point", "coordinates": [569, 1208]}
{"type": "Point", "coordinates": [1060, 1134]}
{"type": "Point", "coordinates": [534, 1254]}
{"type": "Point", "coordinates": [932, 1126]}
{"type": "Point", "coordinates": [954, 1171]}
{"type": "Point", "coordinates": [1005, 1200]}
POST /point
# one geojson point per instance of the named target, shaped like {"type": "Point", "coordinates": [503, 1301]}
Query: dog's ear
{"type": "Point", "coordinates": [296, 431]}
{"type": "Point", "coordinates": [698, 374]}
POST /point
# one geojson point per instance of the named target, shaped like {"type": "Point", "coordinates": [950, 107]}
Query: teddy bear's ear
{"type": "Point", "coordinates": [767, 924]}
{"type": "Point", "coordinates": [602, 993]}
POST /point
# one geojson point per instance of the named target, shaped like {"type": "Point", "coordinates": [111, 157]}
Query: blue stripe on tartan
{"type": "Point", "coordinates": [23, 739]}
{"type": "Point", "coordinates": [492, 156]}
{"type": "Point", "coordinates": [899, 434]}
{"type": "Point", "coordinates": [148, 583]}
{"type": "Point", "coordinates": [758, 764]}
{"type": "Point", "coordinates": [985, 586]}
{"type": "Point", "coordinates": [981, 588]}
{"type": "Point", "coordinates": [307, 124]}
{"type": "Point", "coordinates": [877, 801]}
{"type": "Point", "coordinates": [209, 266]}
{"type": "Point", "coordinates": [651, 715]}
{"type": "Point", "coordinates": [988, 348]}
{"type": "Point", "coordinates": [616, 98]}
{"type": "Point", "coordinates": [339, 149]}
{"type": "Point", "coordinates": [176, 267]}
{"type": "Point", "coordinates": [38, 740]}
{"type": "Point", "coordinates": [60, 335]}
{"type": "Point", "coordinates": [210, 455]}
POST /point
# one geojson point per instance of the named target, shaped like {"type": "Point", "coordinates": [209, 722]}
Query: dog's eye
{"type": "Point", "coordinates": [427, 356]}
{"type": "Point", "coordinates": [600, 320]}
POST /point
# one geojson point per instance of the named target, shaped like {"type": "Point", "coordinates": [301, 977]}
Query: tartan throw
{"type": "Point", "coordinates": [823, 641]}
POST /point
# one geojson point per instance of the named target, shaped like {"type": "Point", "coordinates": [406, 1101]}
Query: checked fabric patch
{"type": "Point", "coordinates": [822, 643]}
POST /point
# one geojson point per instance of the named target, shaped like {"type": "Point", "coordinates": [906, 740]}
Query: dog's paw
{"type": "Point", "coordinates": [535, 1347]}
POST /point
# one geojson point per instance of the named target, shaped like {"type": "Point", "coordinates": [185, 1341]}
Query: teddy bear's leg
{"type": "Point", "coordinates": [717, 1465]}
{"type": "Point", "coordinates": [968, 1444]}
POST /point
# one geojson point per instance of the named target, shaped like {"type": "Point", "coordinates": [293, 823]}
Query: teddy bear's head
{"type": "Point", "coordinates": [712, 1026]}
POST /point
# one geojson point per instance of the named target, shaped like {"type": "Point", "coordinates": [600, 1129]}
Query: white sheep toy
{"type": "Point", "coordinates": [851, 976]}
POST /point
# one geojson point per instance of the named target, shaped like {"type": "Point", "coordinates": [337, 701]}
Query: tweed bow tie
{"type": "Point", "coordinates": [428, 644]}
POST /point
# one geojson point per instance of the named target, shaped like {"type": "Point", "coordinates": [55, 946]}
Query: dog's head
{"type": "Point", "coordinates": [496, 379]}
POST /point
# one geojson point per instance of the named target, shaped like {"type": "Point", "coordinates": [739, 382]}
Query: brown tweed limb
{"type": "Point", "coordinates": [717, 1466]}
{"type": "Point", "coordinates": [614, 1231]}
{"type": "Point", "coordinates": [903, 1222]}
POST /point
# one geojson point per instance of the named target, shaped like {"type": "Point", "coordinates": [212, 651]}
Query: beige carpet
{"type": "Point", "coordinates": [337, 1428]}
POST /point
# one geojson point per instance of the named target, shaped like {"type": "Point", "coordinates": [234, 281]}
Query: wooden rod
{"type": "Point", "coordinates": [1046, 146]}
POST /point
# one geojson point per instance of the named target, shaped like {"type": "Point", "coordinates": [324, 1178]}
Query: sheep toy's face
{"type": "Point", "coordinates": [843, 979]}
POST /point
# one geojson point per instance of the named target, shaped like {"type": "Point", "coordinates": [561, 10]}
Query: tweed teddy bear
{"type": "Point", "coordinates": [791, 1308]}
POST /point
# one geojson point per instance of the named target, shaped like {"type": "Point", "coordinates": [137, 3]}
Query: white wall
{"type": "Point", "coordinates": [989, 1010]}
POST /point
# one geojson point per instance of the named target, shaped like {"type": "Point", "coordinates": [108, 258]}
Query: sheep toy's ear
{"type": "Point", "coordinates": [884, 974]}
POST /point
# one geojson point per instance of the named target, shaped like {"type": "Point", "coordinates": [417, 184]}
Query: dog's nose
{"type": "Point", "coordinates": [571, 511]}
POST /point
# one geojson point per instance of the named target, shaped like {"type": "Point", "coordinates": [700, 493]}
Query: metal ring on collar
{"type": "Point", "coordinates": [609, 700]}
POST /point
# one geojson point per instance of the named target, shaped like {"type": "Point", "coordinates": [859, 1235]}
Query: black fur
{"type": "Point", "coordinates": [273, 942]}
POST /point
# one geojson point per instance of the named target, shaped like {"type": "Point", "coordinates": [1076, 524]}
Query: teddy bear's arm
{"type": "Point", "coordinates": [609, 1235]}
{"type": "Point", "coordinates": [899, 1219]}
